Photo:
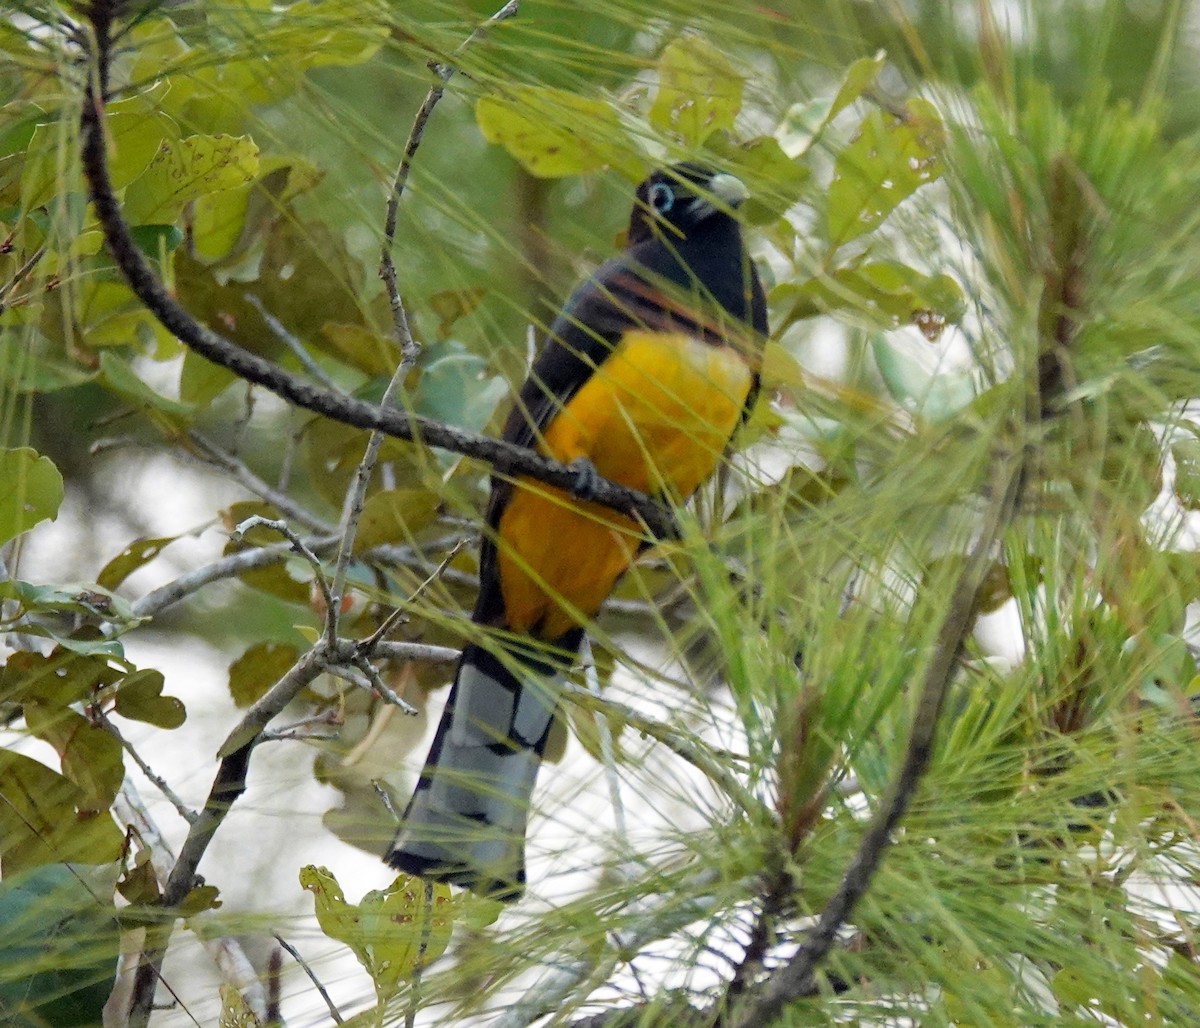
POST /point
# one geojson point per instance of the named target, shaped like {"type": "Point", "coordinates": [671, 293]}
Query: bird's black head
{"type": "Point", "coordinates": [674, 201]}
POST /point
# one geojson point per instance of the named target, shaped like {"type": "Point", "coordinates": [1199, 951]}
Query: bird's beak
{"type": "Point", "coordinates": [729, 189]}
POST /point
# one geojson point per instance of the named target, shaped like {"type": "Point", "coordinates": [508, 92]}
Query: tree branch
{"type": "Point", "coordinates": [505, 458]}
{"type": "Point", "coordinates": [409, 348]}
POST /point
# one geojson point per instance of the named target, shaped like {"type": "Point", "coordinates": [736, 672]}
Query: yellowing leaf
{"type": "Point", "coordinates": [234, 1011]}
{"type": "Point", "coordinates": [31, 490]}
{"type": "Point", "coordinates": [554, 133]}
{"type": "Point", "coordinates": [188, 168]}
{"type": "Point", "coordinates": [699, 92]}
{"type": "Point", "coordinates": [392, 932]}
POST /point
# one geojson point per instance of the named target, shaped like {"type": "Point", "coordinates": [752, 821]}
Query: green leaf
{"type": "Point", "coordinates": [140, 698]}
{"type": "Point", "coordinates": [554, 133]}
{"type": "Point", "coordinates": [934, 396]}
{"type": "Point", "coordinates": [91, 757]}
{"type": "Point", "coordinates": [31, 490]}
{"type": "Point", "coordinates": [1187, 472]}
{"type": "Point", "coordinates": [257, 669]}
{"type": "Point", "coordinates": [392, 932]}
{"type": "Point", "coordinates": [136, 555]}
{"type": "Point", "coordinates": [394, 516]}
{"type": "Point", "coordinates": [156, 240]}
{"type": "Point", "coordinates": [451, 304]}
{"type": "Point", "coordinates": [885, 294]}
{"type": "Point", "coordinates": [44, 818]}
{"type": "Point", "coordinates": [803, 123]}
{"type": "Point", "coordinates": [136, 129]}
{"type": "Point", "coordinates": [201, 381]}
{"type": "Point", "coordinates": [699, 92]}
{"type": "Point", "coordinates": [92, 601]}
{"type": "Point", "coordinates": [58, 680]}
{"type": "Point", "coordinates": [119, 376]}
{"type": "Point", "coordinates": [888, 161]}
{"type": "Point", "coordinates": [459, 388]}
{"type": "Point", "coordinates": [363, 349]}
{"type": "Point", "coordinates": [186, 169]}
{"type": "Point", "coordinates": [200, 898]}
{"type": "Point", "coordinates": [59, 944]}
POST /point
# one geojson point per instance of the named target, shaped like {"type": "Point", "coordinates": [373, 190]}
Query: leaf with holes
{"type": "Point", "coordinates": [889, 160]}
{"type": "Point", "coordinates": [699, 92]}
{"type": "Point", "coordinates": [184, 169]}
{"type": "Point", "coordinates": [136, 555]}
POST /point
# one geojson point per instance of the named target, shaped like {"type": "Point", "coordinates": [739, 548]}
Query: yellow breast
{"type": "Point", "coordinates": [655, 416]}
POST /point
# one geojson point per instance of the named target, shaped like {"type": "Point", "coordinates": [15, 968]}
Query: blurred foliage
{"type": "Point", "coordinates": [978, 226]}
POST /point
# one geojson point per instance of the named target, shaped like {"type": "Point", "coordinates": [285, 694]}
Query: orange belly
{"type": "Point", "coordinates": [656, 417]}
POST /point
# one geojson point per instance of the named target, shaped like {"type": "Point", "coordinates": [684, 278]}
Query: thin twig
{"type": "Point", "coordinates": [312, 977]}
{"type": "Point", "coordinates": [369, 644]}
{"type": "Point", "coordinates": [381, 687]}
{"type": "Point", "coordinates": [795, 979]}
{"type": "Point", "coordinates": [211, 454]}
{"type": "Point", "coordinates": [160, 783]}
{"type": "Point", "coordinates": [298, 546]}
{"type": "Point", "coordinates": [20, 274]}
{"type": "Point", "coordinates": [292, 343]}
{"type": "Point", "coordinates": [409, 349]}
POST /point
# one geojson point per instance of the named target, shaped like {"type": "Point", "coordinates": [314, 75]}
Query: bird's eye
{"type": "Point", "coordinates": [662, 197]}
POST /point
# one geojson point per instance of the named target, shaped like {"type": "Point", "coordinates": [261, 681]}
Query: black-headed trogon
{"type": "Point", "coordinates": [644, 376]}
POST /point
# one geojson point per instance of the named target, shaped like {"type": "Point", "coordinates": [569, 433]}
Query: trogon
{"type": "Point", "coordinates": [643, 378]}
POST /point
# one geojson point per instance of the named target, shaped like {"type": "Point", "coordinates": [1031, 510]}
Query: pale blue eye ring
{"type": "Point", "coordinates": [662, 197]}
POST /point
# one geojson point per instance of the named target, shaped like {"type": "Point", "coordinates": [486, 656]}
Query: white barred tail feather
{"type": "Point", "coordinates": [466, 821]}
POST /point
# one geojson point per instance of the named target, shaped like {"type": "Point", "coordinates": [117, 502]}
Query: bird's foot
{"type": "Point", "coordinates": [587, 479]}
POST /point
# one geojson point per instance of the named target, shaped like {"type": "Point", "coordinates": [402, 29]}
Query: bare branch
{"type": "Point", "coordinates": [160, 783]}
{"type": "Point", "coordinates": [227, 788]}
{"type": "Point", "coordinates": [506, 459]}
{"type": "Point", "coordinates": [409, 349]}
{"type": "Point", "coordinates": [297, 545]}
{"type": "Point", "coordinates": [210, 453]}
